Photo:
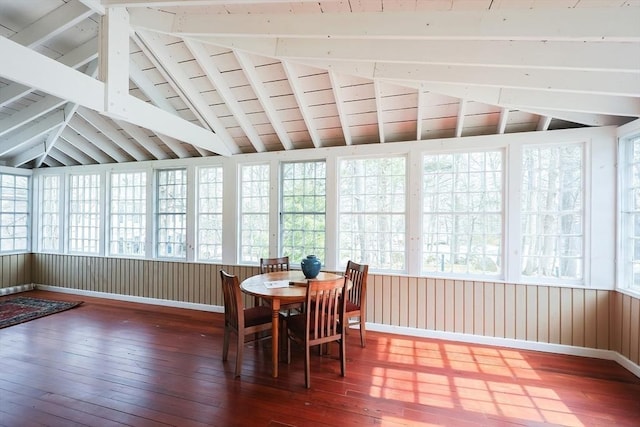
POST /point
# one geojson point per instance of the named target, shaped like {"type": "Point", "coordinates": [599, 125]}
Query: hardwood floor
{"type": "Point", "coordinates": [118, 363]}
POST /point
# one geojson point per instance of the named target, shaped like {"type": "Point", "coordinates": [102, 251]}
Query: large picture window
{"type": "Point", "coordinates": [254, 213]}
{"type": "Point", "coordinates": [127, 227]}
{"type": "Point", "coordinates": [372, 212]}
{"type": "Point", "coordinates": [171, 216]}
{"type": "Point", "coordinates": [14, 213]}
{"type": "Point", "coordinates": [462, 213]}
{"type": "Point", "coordinates": [50, 213]}
{"type": "Point", "coordinates": [552, 212]}
{"type": "Point", "coordinates": [84, 213]}
{"type": "Point", "coordinates": [303, 206]}
{"type": "Point", "coordinates": [210, 213]}
{"type": "Point", "coordinates": [630, 214]}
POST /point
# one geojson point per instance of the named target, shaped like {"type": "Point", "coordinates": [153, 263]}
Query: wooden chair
{"type": "Point", "coordinates": [321, 323]}
{"type": "Point", "coordinates": [357, 296]}
{"type": "Point", "coordinates": [270, 265]}
{"type": "Point", "coordinates": [242, 321]}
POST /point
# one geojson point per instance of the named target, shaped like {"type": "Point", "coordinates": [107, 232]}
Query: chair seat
{"type": "Point", "coordinates": [351, 307]}
{"type": "Point", "coordinates": [297, 323]}
{"type": "Point", "coordinates": [257, 315]}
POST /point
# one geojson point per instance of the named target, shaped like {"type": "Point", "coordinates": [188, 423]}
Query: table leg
{"type": "Point", "coordinates": [275, 338]}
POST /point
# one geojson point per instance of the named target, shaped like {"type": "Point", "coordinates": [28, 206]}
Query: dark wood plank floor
{"type": "Point", "coordinates": [118, 363]}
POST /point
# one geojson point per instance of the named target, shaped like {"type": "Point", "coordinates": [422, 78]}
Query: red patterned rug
{"type": "Point", "coordinates": [22, 309]}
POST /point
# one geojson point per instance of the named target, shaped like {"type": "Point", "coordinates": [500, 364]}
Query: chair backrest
{"type": "Point", "coordinates": [233, 308]}
{"type": "Point", "coordinates": [357, 273]}
{"type": "Point", "coordinates": [268, 265]}
{"type": "Point", "coordinates": [325, 310]}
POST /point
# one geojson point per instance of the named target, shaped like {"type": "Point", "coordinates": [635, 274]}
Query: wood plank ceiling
{"type": "Point", "coordinates": [214, 77]}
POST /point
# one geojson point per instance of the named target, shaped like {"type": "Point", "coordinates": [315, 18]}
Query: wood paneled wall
{"type": "Point", "coordinates": [598, 319]}
{"type": "Point", "coordinates": [15, 270]}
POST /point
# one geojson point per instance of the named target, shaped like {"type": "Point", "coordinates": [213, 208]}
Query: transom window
{"type": "Point", "coordinates": [552, 209]}
{"type": "Point", "coordinates": [14, 212]}
{"type": "Point", "coordinates": [128, 219]}
{"type": "Point", "coordinates": [254, 212]}
{"type": "Point", "coordinates": [210, 213]}
{"type": "Point", "coordinates": [171, 213]}
{"type": "Point", "coordinates": [84, 213]}
{"type": "Point", "coordinates": [302, 219]}
{"type": "Point", "coordinates": [462, 213]}
{"type": "Point", "coordinates": [372, 212]}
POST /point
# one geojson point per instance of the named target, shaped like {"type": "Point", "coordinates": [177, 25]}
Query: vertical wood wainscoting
{"type": "Point", "coordinates": [597, 319]}
{"type": "Point", "coordinates": [15, 271]}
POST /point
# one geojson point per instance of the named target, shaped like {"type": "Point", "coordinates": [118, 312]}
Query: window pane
{"type": "Point", "coordinates": [630, 215]}
{"type": "Point", "coordinates": [171, 213]}
{"type": "Point", "coordinates": [84, 213]}
{"type": "Point", "coordinates": [210, 213]}
{"type": "Point", "coordinates": [552, 211]}
{"type": "Point", "coordinates": [127, 225]}
{"type": "Point", "coordinates": [50, 214]}
{"type": "Point", "coordinates": [462, 213]}
{"type": "Point", "coordinates": [254, 213]}
{"type": "Point", "coordinates": [371, 214]}
{"type": "Point", "coordinates": [303, 208]}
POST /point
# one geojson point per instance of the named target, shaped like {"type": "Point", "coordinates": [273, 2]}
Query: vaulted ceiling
{"type": "Point", "coordinates": [92, 82]}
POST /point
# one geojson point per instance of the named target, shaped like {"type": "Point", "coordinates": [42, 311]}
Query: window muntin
{"type": "Point", "coordinates": [14, 212]}
{"type": "Point", "coordinates": [372, 212]}
{"type": "Point", "coordinates": [128, 204]}
{"type": "Point", "coordinates": [552, 212]}
{"type": "Point", "coordinates": [303, 209]}
{"type": "Point", "coordinates": [254, 212]}
{"type": "Point", "coordinates": [50, 213]}
{"type": "Point", "coordinates": [210, 180]}
{"type": "Point", "coordinates": [462, 213]}
{"type": "Point", "coordinates": [84, 213]}
{"type": "Point", "coordinates": [171, 213]}
{"type": "Point", "coordinates": [630, 214]}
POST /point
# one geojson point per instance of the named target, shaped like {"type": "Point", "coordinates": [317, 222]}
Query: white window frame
{"type": "Point", "coordinates": [15, 213]}
{"type": "Point", "coordinates": [217, 199]}
{"type": "Point", "coordinates": [59, 212]}
{"type": "Point", "coordinates": [158, 215]}
{"type": "Point", "coordinates": [129, 202]}
{"type": "Point", "coordinates": [257, 204]}
{"type": "Point", "coordinates": [99, 214]}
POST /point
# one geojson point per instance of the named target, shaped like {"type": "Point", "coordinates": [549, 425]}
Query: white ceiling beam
{"type": "Point", "coordinates": [257, 85]}
{"type": "Point", "coordinates": [214, 75]}
{"type": "Point", "coordinates": [26, 156]}
{"type": "Point", "coordinates": [337, 94]}
{"type": "Point", "coordinates": [602, 56]}
{"type": "Point", "coordinates": [32, 112]}
{"type": "Point", "coordinates": [52, 163]}
{"type": "Point", "coordinates": [83, 145]}
{"type": "Point", "coordinates": [502, 122]}
{"type": "Point", "coordinates": [156, 48]}
{"type": "Point", "coordinates": [62, 158]}
{"type": "Point", "coordinates": [30, 133]}
{"type": "Point", "coordinates": [33, 69]}
{"type": "Point", "coordinates": [110, 131]}
{"type": "Point", "coordinates": [298, 94]}
{"type": "Point", "coordinates": [174, 3]}
{"type": "Point", "coordinates": [100, 140]}
{"type": "Point", "coordinates": [143, 139]}
{"type": "Point", "coordinates": [420, 112]}
{"type": "Point", "coordinates": [174, 145]}
{"type": "Point", "coordinates": [543, 123]}
{"type": "Point", "coordinates": [69, 110]}
{"type": "Point", "coordinates": [379, 110]}
{"type": "Point", "coordinates": [555, 24]}
{"type": "Point", "coordinates": [52, 24]}
{"type": "Point", "coordinates": [94, 5]}
{"type": "Point", "coordinates": [75, 153]}
{"type": "Point", "coordinates": [576, 81]}
{"type": "Point", "coordinates": [114, 60]}
{"type": "Point", "coordinates": [461, 115]}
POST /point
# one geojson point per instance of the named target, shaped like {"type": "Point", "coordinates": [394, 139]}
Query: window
{"type": "Point", "coordinates": [371, 212]}
{"type": "Point", "coordinates": [210, 213]}
{"type": "Point", "coordinates": [462, 213]}
{"type": "Point", "coordinates": [630, 215]}
{"type": "Point", "coordinates": [172, 213]}
{"type": "Point", "coordinates": [302, 219]}
{"type": "Point", "coordinates": [254, 213]}
{"type": "Point", "coordinates": [84, 213]}
{"type": "Point", "coordinates": [552, 205]}
{"type": "Point", "coordinates": [14, 212]}
{"type": "Point", "coordinates": [50, 214]}
{"type": "Point", "coordinates": [128, 204]}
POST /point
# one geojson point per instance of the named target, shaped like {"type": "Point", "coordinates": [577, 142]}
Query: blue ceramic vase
{"type": "Point", "coordinates": [310, 266]}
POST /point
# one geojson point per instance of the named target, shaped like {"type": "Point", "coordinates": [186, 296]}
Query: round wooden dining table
{"type": "Point", "coordinates": [296, 291]}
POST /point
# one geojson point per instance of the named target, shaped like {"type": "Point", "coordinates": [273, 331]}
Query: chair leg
{"type": "Point", "coordinates": [225, 345]}
{"type": "Point", "coordinates": [363, 332]}
{"type": "Point", "coordinates": [307, 365]}
{"type": "Point", "coordinates": [343, 356]}
{"type": "Point", "coordinates": [239, 354]}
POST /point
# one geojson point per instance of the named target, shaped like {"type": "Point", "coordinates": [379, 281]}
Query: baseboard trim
{"type": "Point", "coordinates": [16, 289]}
{"type": "Point", "coordinates": [129, 298]}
